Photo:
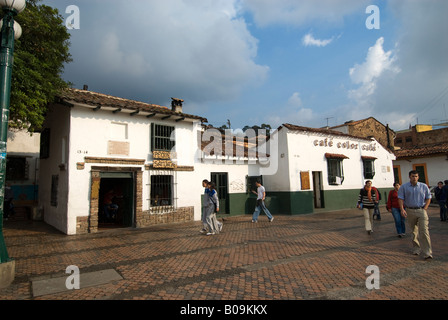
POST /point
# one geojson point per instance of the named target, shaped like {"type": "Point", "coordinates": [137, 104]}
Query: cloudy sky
{"type": "Point", "coordinates": [305, 62]}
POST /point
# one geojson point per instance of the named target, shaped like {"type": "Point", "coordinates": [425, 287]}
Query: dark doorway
{"type": "Point", "coordinates": [317, 188]}
{"type": "Point", "coordinates": [116, 200]}
{"type": "Point", "coordinates": [221, 181]}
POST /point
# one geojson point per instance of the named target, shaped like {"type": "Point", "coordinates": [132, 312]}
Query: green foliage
{"type": "Point", "coordinates": [39, 58]}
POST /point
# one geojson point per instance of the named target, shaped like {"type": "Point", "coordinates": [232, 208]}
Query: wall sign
{"type": "Point", "coordinates": [328, 142]}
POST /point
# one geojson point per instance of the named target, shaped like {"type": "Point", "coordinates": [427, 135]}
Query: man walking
{"type": "Point", "coordinates": [261, 194]}
{"type": "Point", "coordinates": [414, 198]}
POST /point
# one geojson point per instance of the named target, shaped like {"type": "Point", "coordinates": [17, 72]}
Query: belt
{"type": "Point", "coordinates": [414, 208]}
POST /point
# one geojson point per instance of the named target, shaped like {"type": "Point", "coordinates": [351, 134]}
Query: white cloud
{"type": "Point", "coordinates": [309, 40]}
{"type": "Point", "coordinates": [367, 74]}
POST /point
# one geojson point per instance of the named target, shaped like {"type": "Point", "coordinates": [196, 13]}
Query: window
{"type": "Point", "coordinates": [250, 183]}
{"type": "Point", "coordinates": [335, 171]}
{"type": "Point", "coordinates": [369, 168]}
{"type": "Point", "coordinates": [17, 168]}
{"type": "Point", "coordinates": [161, 137]}
{"type": "Point", "coordinates": [161, 190]}
{"type": "Point", "coordinates": [45, 144]}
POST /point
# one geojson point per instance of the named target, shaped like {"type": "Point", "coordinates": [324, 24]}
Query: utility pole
{"type": "Point", "coordinates": [10, 30]}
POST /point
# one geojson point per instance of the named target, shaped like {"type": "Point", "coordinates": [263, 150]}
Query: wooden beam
{"type": "Point", "coordinates": [135, 112]}
{"type": "Point", "coordinates": [180, 119]}
{"type": "Point", "coordinates": [166, 117]}
{"type": "Point", "coordinates": [150, 115]}
{"type": "Point", "coordinates": [117, 110]}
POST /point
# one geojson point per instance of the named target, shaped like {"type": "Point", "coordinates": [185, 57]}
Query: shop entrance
{"type": "Point", "coordinates": [317, 187]}
{"type": "Point", "coordinates": [116, 200]}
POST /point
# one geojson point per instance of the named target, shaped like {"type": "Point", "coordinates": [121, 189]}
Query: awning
{"type": "Point", "coordinates": [335, 156]}
{"type": "Point", "coordinates": [368, 158]}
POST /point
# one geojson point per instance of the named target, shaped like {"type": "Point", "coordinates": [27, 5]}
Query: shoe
{"type": "Point", "coordinates": [210, 233]}
{"type": "Point", "coordinates": [203, 231]}
{"type": "Point", "coordinates": [220, 227]}
{"type": "Point", "coordinates": [254, 221]}
{"type": "Point", "coordinates": [428, 258]}
{"type": "Point", "coordinates": [369, 232]}
{"type": "Point", "coordinates": [272, 219]}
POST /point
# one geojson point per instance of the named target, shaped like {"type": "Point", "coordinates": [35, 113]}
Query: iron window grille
{"type": "Point", "coordinates": [161, 139]}
{"type": "Point", "coordinates": [162, 191]}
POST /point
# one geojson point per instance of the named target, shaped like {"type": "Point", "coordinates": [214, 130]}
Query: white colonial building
{"type": "Point", "coordinates": [153, 159]}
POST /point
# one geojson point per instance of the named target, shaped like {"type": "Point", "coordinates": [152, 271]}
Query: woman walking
{"type": "Point", "coordinates": [204, 206]}
{"type": "Point", "coordinates": [367, 198]}
{"type": "Point", "coordinates": [213, 225]}
{"type": "Point", "coordinates": [394, 207]}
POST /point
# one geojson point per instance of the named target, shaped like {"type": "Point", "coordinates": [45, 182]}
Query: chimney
{"type": "Point", "coordinates": [176, 105]}
{"type": "Point", "coordinates": [85, 87]}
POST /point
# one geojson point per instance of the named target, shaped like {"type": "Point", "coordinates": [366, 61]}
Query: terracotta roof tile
{"type": "Point", "coordinates": [421, 151]}
{"type": "Point", "coordinates": [104, 100]}
{"type": "Point", "coordinates": [322, 130]}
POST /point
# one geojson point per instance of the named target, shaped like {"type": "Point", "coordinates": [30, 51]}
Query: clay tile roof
{"type": "Point", "coordinates": [293, 127]}
{"type": "Point", "coordinates": [100, 100]}
{"type": "Point", "coordinates": [421, 151]}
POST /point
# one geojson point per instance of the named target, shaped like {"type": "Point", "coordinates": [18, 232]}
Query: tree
{"type": "Point", "coordinates": [39, 58]}
{"type": "Point", "coordinates": [256, 128]}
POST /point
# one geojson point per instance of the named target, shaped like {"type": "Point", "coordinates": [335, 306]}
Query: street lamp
{"type": "Point", "coordinates": [10, 30]}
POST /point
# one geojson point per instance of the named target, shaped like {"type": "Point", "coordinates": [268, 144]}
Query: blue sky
{"type": "Point", "coordinates": [305, 62]}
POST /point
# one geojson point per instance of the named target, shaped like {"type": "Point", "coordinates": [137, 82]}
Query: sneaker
{"type": "Point", "coordinates": [203, 231]}
{"type": "Point", "coordinates": [220, 227]}
{"type": "Point", "coordinates": [369, 231]}
{"type": "Point", "coordinates": [255, 221]}
{"type": "Point", "coordinates": [272, 219]}
{"type": "Point", "coordinates": [428, 258]}
{"type": "Point", "coordinates": [210, 233]}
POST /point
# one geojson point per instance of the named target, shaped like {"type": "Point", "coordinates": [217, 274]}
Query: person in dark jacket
{"type": "Point", "coordinates": [367, 197]}
{"type": "Point", "coordinates": [394, 207]}
{"type": "Point", "coordinates": [441, 194]}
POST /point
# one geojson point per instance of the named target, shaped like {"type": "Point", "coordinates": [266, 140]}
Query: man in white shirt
{"type": "Point", "coordinates": [261, 194]}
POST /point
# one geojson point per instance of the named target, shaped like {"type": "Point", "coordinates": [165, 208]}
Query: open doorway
{"type": "Point", "coordinates": [116, 200]}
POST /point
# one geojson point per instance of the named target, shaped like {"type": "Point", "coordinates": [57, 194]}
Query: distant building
{"type": "Point", "coordinates": [423, 149]}
{"type": "Point", "coordinates": [369, 127]}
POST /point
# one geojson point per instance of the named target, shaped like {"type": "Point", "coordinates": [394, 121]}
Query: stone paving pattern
{"type": "Point", "coordinates": [320, 256]}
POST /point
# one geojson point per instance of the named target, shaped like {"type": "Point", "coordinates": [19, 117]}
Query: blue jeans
{"type": "Point", "coordinates": [442, 205]}
{"type": "Point", "coordinates": [399, 221]}
{"type": "Point", "coordinates": [260, 206]}
{"type": "Point", "coordinates": [376, 211]}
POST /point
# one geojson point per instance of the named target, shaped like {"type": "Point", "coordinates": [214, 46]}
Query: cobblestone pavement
{"type": "Point", "coordinates": [320, 256]}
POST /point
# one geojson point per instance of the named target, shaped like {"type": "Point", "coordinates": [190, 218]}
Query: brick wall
{"type": "Point", "coordinates": [371, 127]}
{"type": "Point", "coordinates": [183, 214]}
